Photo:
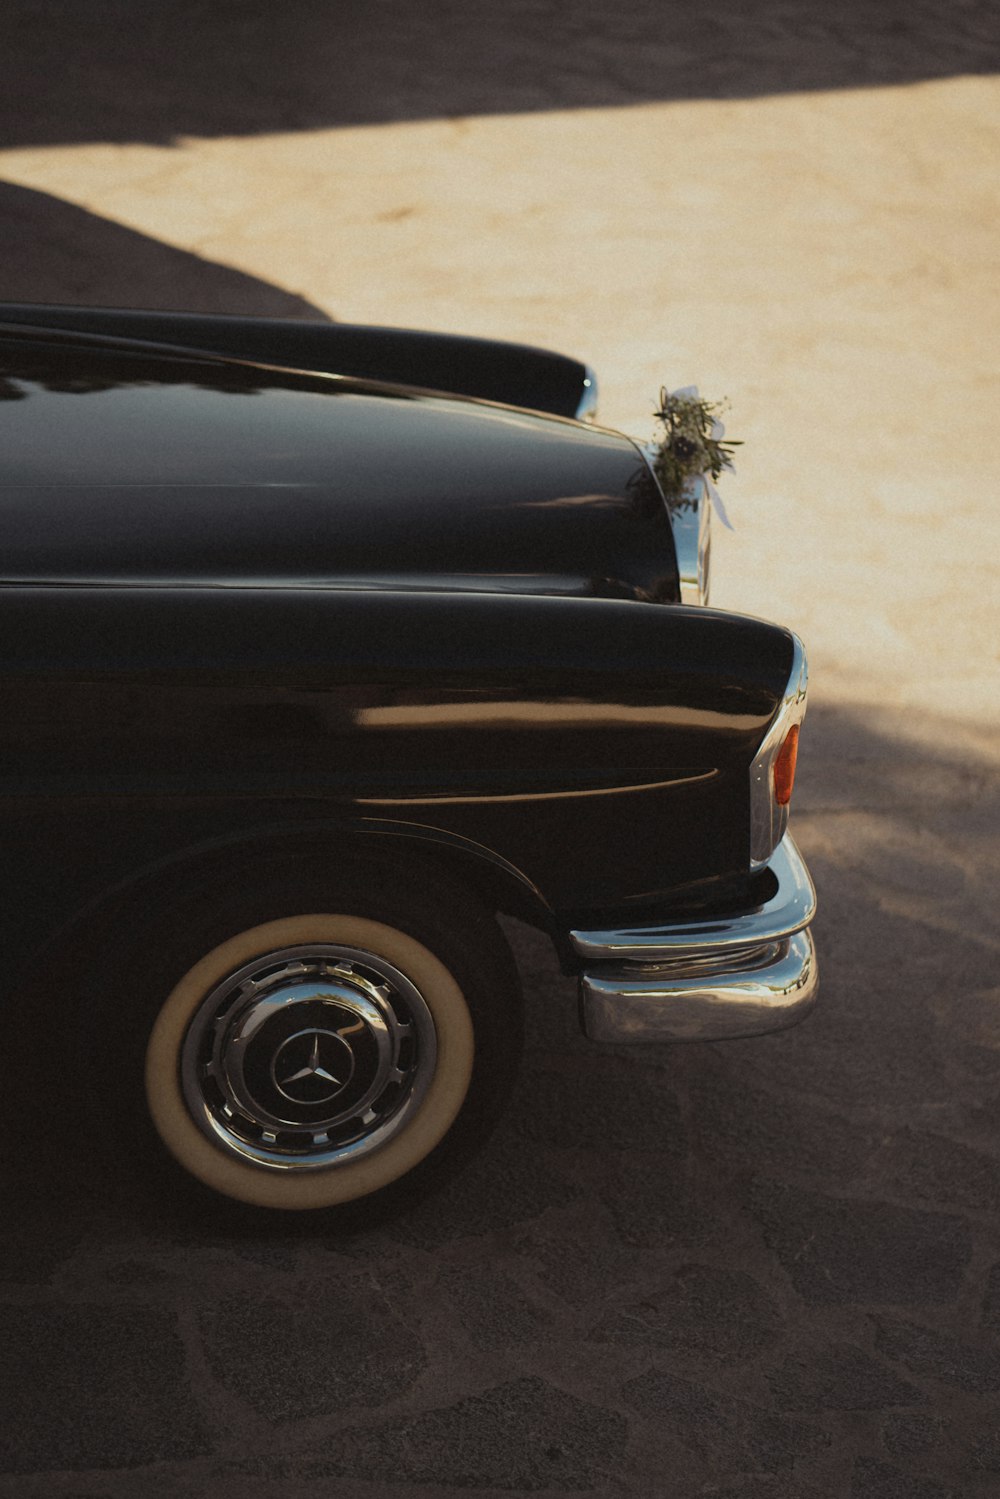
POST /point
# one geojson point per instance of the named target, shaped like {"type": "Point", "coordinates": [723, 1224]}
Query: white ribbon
{"type": "Point", "coordinates": [717, 505]}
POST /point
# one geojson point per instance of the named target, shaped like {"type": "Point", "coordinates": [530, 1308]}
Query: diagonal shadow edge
{"type": "Point", "coordinates": [70, 75]}
{"type": "Point", "coordinates": [53, 251]}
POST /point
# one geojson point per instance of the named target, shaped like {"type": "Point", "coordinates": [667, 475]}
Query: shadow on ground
{"type": "Point", "coordinates": [107, 72]}
{"type": "Point", "coordinates": [52, 251]}
{"type": "Point", "coordinates": [768, 1266]}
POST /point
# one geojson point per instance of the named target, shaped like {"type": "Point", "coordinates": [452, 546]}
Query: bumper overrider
{"type": "Point", "coordinates": [710, 980]}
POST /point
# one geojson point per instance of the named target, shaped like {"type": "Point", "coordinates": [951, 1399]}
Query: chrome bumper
{"type": "Point", "coordinates": [706, 980]}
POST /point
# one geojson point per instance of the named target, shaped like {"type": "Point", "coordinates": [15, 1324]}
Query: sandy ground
{"type": "Point", "coordinates": [799, 215]}
{"type": "Point", "coordinates": [826, 260]}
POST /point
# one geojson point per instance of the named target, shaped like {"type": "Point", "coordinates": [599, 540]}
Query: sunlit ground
{"type": "Point", "coordinates": [827, 261]}
{"type": "Point", "coordinates": [775, 1258]}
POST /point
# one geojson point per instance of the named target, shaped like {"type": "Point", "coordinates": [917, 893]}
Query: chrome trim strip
{"type": "Point", "coordinates": [629, 1007]}
{"type": "Point", "coordinates": [790, 909]}
{"type": "Point", "coordinates": [691, 521]}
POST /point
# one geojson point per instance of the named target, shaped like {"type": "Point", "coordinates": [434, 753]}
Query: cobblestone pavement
{"type": "Point", "coordinates": [755, 1270]}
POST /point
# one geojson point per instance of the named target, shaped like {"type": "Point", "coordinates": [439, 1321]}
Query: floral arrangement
{"type": "Point", "coordinates": [691, 452]}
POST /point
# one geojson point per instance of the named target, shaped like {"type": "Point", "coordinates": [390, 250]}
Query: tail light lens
{"type": "Point", "coordinates": [772, 773]}
{"type": "Point", "coordinates": [784, 767]}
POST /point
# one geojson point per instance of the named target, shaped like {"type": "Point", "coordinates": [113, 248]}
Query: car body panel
{"type": "Point", "coordinates": [486, 369]}
{"type": "Point", "coordinates": [125, 466]}
{"type": "Point", "coordinates": [253, 598]}
{"type": "Point", "coordinates": [595, 748]}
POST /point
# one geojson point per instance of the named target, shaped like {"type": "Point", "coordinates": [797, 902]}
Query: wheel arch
{"type": "Point", "coordinates": [420, 853]}
{"type": "Point", "coordinates": [156, 1018]}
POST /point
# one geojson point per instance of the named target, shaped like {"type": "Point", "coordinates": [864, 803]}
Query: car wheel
{"type": "Point", "coordinates": [344, 1053]}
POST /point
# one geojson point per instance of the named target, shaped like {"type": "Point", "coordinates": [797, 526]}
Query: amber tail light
{"type": "Point", "coordinates": [784, 767]}
{"type": "Point", "coordinates": [773, 770]}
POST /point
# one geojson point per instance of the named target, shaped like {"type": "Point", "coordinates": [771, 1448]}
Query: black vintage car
{"type": "Point", "coordinates": [320, 647]}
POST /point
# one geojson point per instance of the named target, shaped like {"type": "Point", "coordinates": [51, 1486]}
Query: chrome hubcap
{"type": "Point", "coordinates": [308, 1057]}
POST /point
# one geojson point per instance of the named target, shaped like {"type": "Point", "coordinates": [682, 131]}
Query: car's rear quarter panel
{"type": "Point", "coordinates": [236, 601]}
{"type": "Point", "coordinates": [596, 750]}
{"type": "Point", "coordinates": [127, 466]}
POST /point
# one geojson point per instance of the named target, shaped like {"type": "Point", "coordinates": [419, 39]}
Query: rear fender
{"type": "Point", "coordinates": [483, 368]}
{"type": "Point", "coordinates": [590, 754]}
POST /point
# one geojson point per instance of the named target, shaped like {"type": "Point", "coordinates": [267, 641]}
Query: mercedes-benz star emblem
{"type": "Point", "coordinates": [312, 1066]}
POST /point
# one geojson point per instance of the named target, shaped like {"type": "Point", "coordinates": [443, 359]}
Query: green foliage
{"type": "Point", "coordinates": [692, 442]}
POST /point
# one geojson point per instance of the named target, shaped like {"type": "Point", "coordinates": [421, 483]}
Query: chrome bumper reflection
{"type": "Point", "coordinates": [691, 524]}
{"type": "Point", "coordinates": [706, 981]}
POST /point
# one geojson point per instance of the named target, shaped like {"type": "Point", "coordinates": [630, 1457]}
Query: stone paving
{"type": "Point", "coordinates": [756, 1270]}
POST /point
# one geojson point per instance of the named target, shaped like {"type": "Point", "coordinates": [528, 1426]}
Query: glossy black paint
{"type": "Point", "coordinates": [242, 608]}
{"type": "Point", "coordinates": [487, 369]}
{"type": "Point", "coordinates": [594, 751]}
{"type": "Point", "coordinates": [121, 466]}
